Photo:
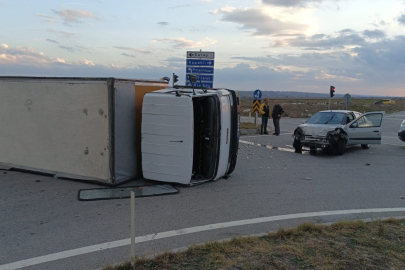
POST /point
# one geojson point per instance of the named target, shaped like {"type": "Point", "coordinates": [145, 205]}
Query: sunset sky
{"type": "Point", "coordinates": [281, 45]}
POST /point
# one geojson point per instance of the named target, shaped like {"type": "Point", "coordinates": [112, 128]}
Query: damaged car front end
{"type": "Point", "coordinates": [323, 130]}
{"type": "Point", "coordinates": [329, 141]}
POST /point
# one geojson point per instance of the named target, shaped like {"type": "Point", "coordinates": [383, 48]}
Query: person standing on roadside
{"type": "Point", "coordinates": [265, 112]}
{"type": "Point", "coordinates": [276, 114]}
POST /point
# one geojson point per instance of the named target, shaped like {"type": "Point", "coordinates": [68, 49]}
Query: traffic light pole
{"type": "Point", "coordinates": [329, 103]}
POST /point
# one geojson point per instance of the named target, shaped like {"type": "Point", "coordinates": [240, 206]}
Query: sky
{"type": "Point", "coordinates": [358, 46]}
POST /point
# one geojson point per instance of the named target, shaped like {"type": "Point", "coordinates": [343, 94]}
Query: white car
{"type": "Point", "coordinates": [401, 132]}
{"type": "Point", "coordinates": [336, 129]}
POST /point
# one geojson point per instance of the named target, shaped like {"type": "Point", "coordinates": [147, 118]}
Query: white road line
{"type": "Point", "coordinates": [162, 235]}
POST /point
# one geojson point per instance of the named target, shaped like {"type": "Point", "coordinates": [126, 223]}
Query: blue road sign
{"type": "Point", "coordinates": [204, 78]}
{"type": "Point", "coordinates": [204, 84]}
{"type": "Point", "coordinates": [196, 62]}
{"type": "Point", "coordinates": [257, 94]}
{"type": "Point", "coordinates": [200, 70]}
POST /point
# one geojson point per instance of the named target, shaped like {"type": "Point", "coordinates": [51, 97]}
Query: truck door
{"type": "Point", "coordinates": [225, 136]}
{"type": "Point", "coordinates": [167, 138]}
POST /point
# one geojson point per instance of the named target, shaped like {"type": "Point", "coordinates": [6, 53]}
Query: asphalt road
{"type": "Point", "coordinates": [41, 215]}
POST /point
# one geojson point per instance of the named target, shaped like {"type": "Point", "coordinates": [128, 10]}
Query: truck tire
{"type": "Point", "coordinates": [365, 146]}
{"type": "Point", "coordinates": [297, 146]}
{"type": "Point", "coordinates": [340, 147]}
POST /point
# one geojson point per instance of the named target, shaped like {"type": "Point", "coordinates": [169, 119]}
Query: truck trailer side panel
{"type": "Point", "coordinates": [46, 127]}
{"type": "Point", "coordinates": [80, 128]}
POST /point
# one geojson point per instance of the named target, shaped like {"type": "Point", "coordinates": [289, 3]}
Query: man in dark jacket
{"type": "Point", "coordinates": [264, 110]}
{"type": "Point", "coordinates": [276, 114]}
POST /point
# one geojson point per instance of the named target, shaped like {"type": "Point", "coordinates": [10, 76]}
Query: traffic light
{"type": "Point", "coordinates": [332, 91]}
{"type": "Point", "coordinates": [175, 78]}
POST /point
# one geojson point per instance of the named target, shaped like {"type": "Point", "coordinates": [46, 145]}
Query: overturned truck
{"type": "Point", "coordinates": [90, 129]}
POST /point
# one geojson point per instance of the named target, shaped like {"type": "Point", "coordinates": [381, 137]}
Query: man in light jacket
{"type": "Point", "coordinates": [265, 112]}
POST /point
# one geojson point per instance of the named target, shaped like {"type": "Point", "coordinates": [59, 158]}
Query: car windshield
{"type": "Point", "coordinates": [331, 118]}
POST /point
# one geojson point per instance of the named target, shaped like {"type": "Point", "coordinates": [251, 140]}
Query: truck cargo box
{"type": "Point", "coordinates": [81, 128]}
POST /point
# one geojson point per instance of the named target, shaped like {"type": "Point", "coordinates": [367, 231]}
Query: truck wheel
{"type": "Point", "coordinates": [340, 147]}
{"type": "Point", "coordinates": [297, 146]}
{"type": "Point", "coordinates": [365, 146]}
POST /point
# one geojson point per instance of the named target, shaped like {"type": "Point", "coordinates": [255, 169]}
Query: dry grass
{"type": "Point", "coordinates": [245, 125]}
{"type": "Point", "coordinates": [304, 108]}
{"type": "Point", "coordinates": [343, 245]}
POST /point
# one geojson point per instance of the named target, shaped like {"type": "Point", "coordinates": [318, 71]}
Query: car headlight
{"type": "Point", "coordinates": [403, 123]}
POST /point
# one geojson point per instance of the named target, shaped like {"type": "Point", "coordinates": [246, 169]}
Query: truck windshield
{"type": "Point", "coordinates": [331, 118]}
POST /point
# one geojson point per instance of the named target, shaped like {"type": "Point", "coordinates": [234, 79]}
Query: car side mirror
{"type": "Point", "coordinates": [304, 121]}
{"type": "Point", "coordinates": [354, 125]}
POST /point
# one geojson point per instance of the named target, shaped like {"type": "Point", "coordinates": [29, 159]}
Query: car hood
{"type": "Point", "coordinates": [317, 130]}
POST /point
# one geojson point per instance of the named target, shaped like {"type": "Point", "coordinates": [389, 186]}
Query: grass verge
{"type": "Point", "coordinates": [304, 108]}
{"type": "Point", "coordinates": [246, 125]}
{"type": "Point", "coordinates": [343, 245]}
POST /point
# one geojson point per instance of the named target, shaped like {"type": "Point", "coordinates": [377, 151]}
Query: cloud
{"type": "Point", "coordinates": [128, 55]}
{"type": "Point", "coordinates": [257, 20]}
{"type": "Point", "coordinates": [324, 41]}
{"type": "Point", "coordinates": [401, 19]}
{"type": "Point", "coordinates": [290, 3]}
{"type": "Point", "coordinates": [69, 49]}
{"type": "Point", "coordinates": [340, 40]}
{"type": "Point", "coordinates": [132, 49]}
{"type": "Point", "coordinates": [73, 16]}
{"type": "Point", "coordinates": [23, 56]}
{"type": "Point", "coordinates": [374, 68]}
{"type": "Point", "coordinates": [182, 42]}
{"type": "Point", "coordinates": [62, 33]}
{"type": "Point", "coordinates": [180, 6]}
{"type": "Point", "coordinates": [51, 40]}
{"type": "Point", "coordinates": [374, 33]}
{"type": "Point", "coordinates": [163, 23]}
{"type": "Point", "coordinates": [49, 19]}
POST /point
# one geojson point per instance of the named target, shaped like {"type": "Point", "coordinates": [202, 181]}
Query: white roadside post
{"type": "Point", "coordinates": [256, 122]}
{"type": "Point", "coordinates": [133, 228]}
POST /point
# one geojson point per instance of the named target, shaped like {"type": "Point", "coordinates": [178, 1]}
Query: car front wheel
{"type": "Point", "coordinates": [340, 147]}
{"type": "Point", "coordinates": [365, 146]}
{"type": "Point", "coordinates": [297, 146]}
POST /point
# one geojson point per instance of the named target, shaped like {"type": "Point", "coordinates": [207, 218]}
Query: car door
{"type": "Point", "coordinates": [366, 129]}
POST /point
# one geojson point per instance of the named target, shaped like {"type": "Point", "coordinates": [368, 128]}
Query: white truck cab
{"type": "Point", "coordinates": [188, 136]}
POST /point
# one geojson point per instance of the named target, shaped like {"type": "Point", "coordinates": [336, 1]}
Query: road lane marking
{"type": "Point", "coordinates": [197, 229]}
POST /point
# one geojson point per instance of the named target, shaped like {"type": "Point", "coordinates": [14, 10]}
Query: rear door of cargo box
{"type": "Point", "coordinates": [167, 137]}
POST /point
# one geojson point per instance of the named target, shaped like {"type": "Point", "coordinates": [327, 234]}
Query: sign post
{"type": "Point", "coordinates": [257, 95]}
{"type": "Point", "coordinates": [200, 64]}
{"type": "Point", "coordinates": [347, 99]}
{"type": "Point", "coordinates": [133, 228]}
